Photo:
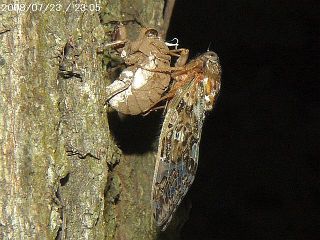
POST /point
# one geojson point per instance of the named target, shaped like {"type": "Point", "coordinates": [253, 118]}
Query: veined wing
{"type": "Point", "coordinates": [178, 151]}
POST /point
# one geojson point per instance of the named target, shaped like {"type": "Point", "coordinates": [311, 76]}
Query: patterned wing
{"type": "Point", "coordinates": [178, 151]}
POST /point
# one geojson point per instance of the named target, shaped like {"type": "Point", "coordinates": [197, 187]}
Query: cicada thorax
{"type": "Point", "coordinates": [205, 71]}
{"type": "Point", "coordinates": [140, 85]}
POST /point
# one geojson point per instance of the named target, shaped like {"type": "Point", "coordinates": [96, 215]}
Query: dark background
{"type": "Point", "coordinates": [258, 175]}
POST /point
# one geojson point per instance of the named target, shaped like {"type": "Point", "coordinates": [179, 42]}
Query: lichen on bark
{"type": "Point", "coordinates": [62, 175]}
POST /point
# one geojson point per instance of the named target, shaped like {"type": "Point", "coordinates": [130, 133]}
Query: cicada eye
{"type": "Point", "coordinates": [151, 33]}
{"type": "Point", "coordinates": [212, 56]}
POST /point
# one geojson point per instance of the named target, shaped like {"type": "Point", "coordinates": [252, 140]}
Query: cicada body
{"type": "Point", "coordinates": [195, 91]}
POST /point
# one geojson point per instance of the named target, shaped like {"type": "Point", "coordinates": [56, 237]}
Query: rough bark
{"type": "Point", "coordinates": [62, 175]}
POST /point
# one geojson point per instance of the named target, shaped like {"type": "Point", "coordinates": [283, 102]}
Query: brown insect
{"type": "Point", "coordinates": [143, 82]}
{"type": "Point", "coordinates": [194, 92]}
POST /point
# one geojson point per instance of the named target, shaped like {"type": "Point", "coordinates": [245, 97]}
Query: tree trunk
{"type": "Point", "coordinates": [62, 175]}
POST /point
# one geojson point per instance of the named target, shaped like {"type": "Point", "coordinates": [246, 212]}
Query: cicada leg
{"type": "Point", "coordinates": [183, 55]}
{"type": "Point", "coordinates": [119, 39]}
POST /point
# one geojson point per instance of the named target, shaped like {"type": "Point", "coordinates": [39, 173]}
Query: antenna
{"type": "Point", "coordinates": [208, 49]}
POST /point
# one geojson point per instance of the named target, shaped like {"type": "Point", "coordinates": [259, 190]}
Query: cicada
{"type": "Point", "coordinates": [147, 75]}
{"type": "Point", "coordinates": [194, 92]}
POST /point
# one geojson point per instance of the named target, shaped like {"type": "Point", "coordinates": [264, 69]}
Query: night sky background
{"type": "Point", "coordinates": [258, 174]}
